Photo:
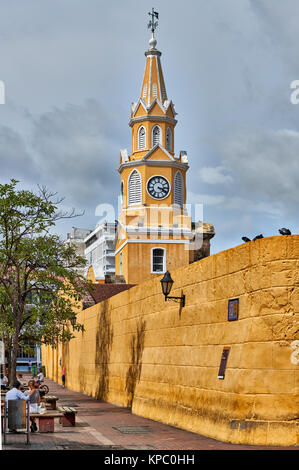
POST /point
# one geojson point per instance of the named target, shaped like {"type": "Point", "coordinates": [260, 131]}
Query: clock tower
{"type": "Point", "coordinates": [154, 229]}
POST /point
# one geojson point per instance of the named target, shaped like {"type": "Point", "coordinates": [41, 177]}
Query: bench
{"type": "Point", "coordinates": [46, 420]}
{"type": "Point", "coordinates": [69, 416]}
{"type": "Point", "coordinates": [50, 400]}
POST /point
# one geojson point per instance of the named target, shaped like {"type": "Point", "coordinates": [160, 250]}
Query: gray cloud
{"type": "Point", "coordinates": [228, 67]}
{"type": "Point", "coordinates": [75, 147]}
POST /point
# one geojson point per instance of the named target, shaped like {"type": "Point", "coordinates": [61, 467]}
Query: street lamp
{"type": "Point", "coordinates": [166, 283]}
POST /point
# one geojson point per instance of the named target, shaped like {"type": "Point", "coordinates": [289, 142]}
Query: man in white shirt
{"type": "Point", "coordinates": [40, 377]}
{"type": "Point", "coordinates": [16, 394]}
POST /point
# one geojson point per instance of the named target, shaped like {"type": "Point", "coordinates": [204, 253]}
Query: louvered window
{"type": "Point", "coordinates": [141, 138]}
{"type": "Point", "coordinates": [179, 189]}
{"type": "Point", "coordinates": [135, 188]}
{"type": "Point", "coordinates": [156, 135]}
{"type": "Point", "coordinates": [144, 91]}
{"type": "Point", "coordinates": [158, 260]}
{"type": "Point", "coordinates": [169, 139]}
{"type": "Point", "coordinates": [122, 191]}
{"type": "Point", "coordinates": [155, 91]}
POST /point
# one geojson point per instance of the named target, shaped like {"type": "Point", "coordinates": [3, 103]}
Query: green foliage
{"type": "Point", "coordinates": [40, 288]}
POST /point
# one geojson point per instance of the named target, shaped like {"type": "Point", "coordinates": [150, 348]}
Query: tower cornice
{"type": "Point", "coordinates": [152, 118]}
{"type": "Point", "coordinates": [152, 52]}
{"type": "Point", "coordinates": [155, 163]}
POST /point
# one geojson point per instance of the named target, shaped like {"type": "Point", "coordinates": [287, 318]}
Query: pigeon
{"type": "Point", "coordinates": [245, 239]}
{"type": "Point", "coordinates": [258, 237]}
{"type": "Point", "coordinates": [285, 231]}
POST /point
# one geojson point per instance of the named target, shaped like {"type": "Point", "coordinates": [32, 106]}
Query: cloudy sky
{"type": "Point", "coordinates": [71, 69]}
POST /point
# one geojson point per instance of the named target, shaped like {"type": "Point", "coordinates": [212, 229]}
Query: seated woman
{"type": "Point", "coordinates": [34, 402]}
{"type": "Point", "coordinates": [4, 382]}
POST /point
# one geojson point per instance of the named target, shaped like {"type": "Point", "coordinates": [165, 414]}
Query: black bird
{"type": "Point", "coordinates": [258, 237]}
{"type": "Point", "coordinates": [285, 231]}
{"type": "Point", "coordinates": [245, 239]}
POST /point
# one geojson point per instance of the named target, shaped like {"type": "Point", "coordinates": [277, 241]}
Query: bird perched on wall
{"type": "Point", "coordinates": [258, 237]}
{"type": "Point", "coordinates": [246, 239]}
{"type": "Point", "coordinates": [285, 231]}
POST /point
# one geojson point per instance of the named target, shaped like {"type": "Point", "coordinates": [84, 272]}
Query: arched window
{"type": "Point", "coordinates": [134, 188]}
{"type": "Point", "coordinates": [155, 90]}
{"type": "Point", "coordinates": [141, 138]}
{"type": "Point", "coordinates": [179, 189]}
{"type": "Point", "coordinates": [158, 260]}
{"type": "Point", "coordinates": [169, 139]}
{"type": "Point", "coordinates": [156, 135]}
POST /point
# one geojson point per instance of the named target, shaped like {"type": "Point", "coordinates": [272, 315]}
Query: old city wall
{"type": "Point", "coordinates": [163, 360]}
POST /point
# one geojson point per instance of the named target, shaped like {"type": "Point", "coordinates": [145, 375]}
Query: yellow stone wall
{"type": "Point", "coordinates": [141, 351]}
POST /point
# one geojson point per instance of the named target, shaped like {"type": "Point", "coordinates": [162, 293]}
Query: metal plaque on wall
{"type": "Point", "coordinates": [233, 309]}
{"type": "Point", "coordinates": [223, 362]}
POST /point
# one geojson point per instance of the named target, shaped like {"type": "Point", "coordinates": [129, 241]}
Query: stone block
{"type": "Point", "coordinates": [263, 381]}
{"type": "Point", "coordinates": [282, 434]}
{"type": "Point", "coordinates": [282, 355]}
{"type": "Point", "coordinates": [261, 329]}
{"type": "Point", "coordinates": [221, 264]}
{"type": "Point", "coordinates": [238, 259]}
{"type": "Point", "coordinates": [284, 273]}
{"type": "Point", "coordinates": [280, 407]}
{"type": "Point", "coordinates": [256, 356]}
{"type": "Point", "coordinates": [292, 243]}
{"type": "Point", "coordinates": [294, 299]}
{"type": "Point", "coordinates": [274, 301]}
{"type": "Point", "coordinates": [272, 248]}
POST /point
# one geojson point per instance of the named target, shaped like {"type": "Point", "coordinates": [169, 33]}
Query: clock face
{"type": "Point", "coordinates": [158, 187]}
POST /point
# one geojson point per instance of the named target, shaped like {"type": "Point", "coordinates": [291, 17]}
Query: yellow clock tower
{"type": "Point", "coordinates": [154, 229]}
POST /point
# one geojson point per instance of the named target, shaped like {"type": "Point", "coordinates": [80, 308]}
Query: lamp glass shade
{"type": "Point", "coordinates": [166, 283]}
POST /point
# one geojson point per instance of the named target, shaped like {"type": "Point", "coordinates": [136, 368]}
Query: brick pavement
{"type": "Point", "coordinates": [96, 429]}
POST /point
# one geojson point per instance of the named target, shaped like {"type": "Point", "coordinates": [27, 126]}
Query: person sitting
{"type": "Point", "coordinates": [20, 379]}
{"type": "Point", "coordinates": [16, 394]}
{"type": "Point", "coordinates": [4, 382]}
{"type": "Point", "coordinates": [34, 402]}
{"type": "Point", "coordinates": [40, 377]}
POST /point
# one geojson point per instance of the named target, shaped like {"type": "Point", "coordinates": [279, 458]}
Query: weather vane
{"type": "Point", "coordinates": [153, 24]}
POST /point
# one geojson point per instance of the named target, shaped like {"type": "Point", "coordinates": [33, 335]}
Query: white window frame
{"type": "Point", "coordinates": [128, 189]}
{"type": "Point", "coordinates": [152, 260]}
{"type": "Point", "coordinates": [153, 128]}
{"type": "Point", "coordinates": [138, 138]}
{"type": "Point", "coordinates": [120, 263]}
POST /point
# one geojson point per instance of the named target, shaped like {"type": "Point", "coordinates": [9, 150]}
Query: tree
{"type": "Point", "coordinates": [40, 288]}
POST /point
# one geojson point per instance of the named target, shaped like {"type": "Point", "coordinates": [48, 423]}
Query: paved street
{"type": "Point", "coordinates": [102, 426]}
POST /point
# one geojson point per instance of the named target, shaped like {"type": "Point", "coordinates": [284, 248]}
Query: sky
{"type": "Point", "coordinates": [71, 70]}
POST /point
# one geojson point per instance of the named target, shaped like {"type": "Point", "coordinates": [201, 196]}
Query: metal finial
{"type": "Point", "coordinates": [153, 24]}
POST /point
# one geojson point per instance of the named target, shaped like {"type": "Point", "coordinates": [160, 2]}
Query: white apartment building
{"type": "Point", "coordinates": [99, 250]}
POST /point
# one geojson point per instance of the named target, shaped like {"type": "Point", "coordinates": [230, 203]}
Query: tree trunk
{"type": "Point", "coordinates": [13, 359]}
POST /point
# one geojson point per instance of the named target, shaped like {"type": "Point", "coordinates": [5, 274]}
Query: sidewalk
{"type": "Point", "coordinates": [102, 426]}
